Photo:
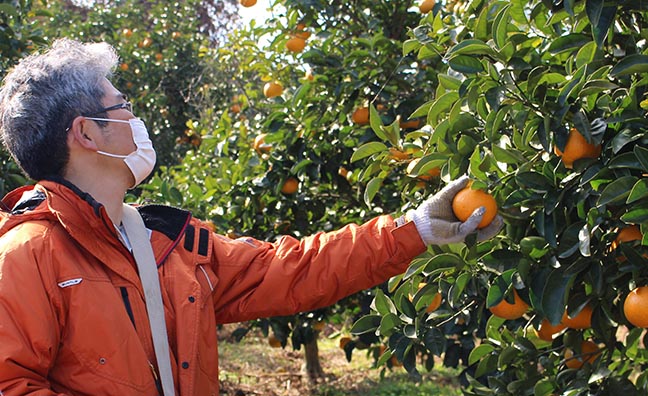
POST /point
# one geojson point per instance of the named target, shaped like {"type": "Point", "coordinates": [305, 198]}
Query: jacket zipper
{"type": "Point", "coordinates": [158, 383]}
{"type": "Point", "coordinates": [127, 304]}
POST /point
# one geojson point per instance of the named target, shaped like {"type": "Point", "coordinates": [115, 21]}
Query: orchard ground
{"type": "Point", "coordinates": [252, 367]}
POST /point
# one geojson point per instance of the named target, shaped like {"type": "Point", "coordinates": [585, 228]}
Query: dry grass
{"type": "Point", "coordinates": [252, 367]}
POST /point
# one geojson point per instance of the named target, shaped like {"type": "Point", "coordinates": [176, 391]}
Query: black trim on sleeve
{"type": "Point", "coordinates": [203, 242]}
{"type": "Point", "coordinates": [190, 235]}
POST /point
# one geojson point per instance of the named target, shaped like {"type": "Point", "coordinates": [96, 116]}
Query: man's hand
{"type": "Point", "coordinates": [437, 224]}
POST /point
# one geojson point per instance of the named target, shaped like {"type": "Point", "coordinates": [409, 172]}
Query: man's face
{"type": "Point", "coordinates": [118, 136]}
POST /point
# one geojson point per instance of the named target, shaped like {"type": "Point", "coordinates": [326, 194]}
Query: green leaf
{"type": "Point", "coordinates": [422, 110]}
{"type": "Point", "coordinates": [586, 54]}
{"type": "Point", "coordinates": [636, 215]}
{"type": "Point", "coordinates": [407, 307]}
{"type": "Point", "coordinates": [376, 123]}
{"type": "Point", "coordinates": [554, 295]}
{"type": "Point", "coordinates": [498, 289]}
{"type": "Point", "coordinates": [534, 181]}
{"type": "Point", "coordinates": [9, 10]}
{"type": "Point", "coordinates": [508, 155]}
{"type": "Point", "coordinates": [366, 324]}
{"type": "Point", "coordinates": [466, 64]}
{"type": "Point", "coordinates": [389, 324]}
{"type": "Point", "coordinates": [486, 365]}
{"type": "Point", "coordinates": [642, 156]}
{"type": "Point", "coordinates": [552, 79]}
{"type": "Point", "coordinates": [568, 43]}
{"type": "Point", "coordinates": [631, 64]}
{"type": "Point", "coordinates": [440, 106]}
{"type": "Point", "coordinates": [383, 304]}
{"type": "Point", "coordinates": [544, 387]}
{"type": "Point", "coordinates": [443, 261]}
{"type": "Point", "coordinates": [367, 150]}
{"type": "Point", "coordinates": [435, 341]}
{"type": "Point", "coordinates": [500, 27]}
{"type": "Point", "coordinates": [605, 20]}
{"type": "Point", "coordinates": [479, 352]}
{"type": "Point", "coordinates": [471, 47]}
{"type": "Point", "coordinates": [459, 285]}
{"type": "Point", "coordinates": [639, 191]}
{"type": "Point", "coordinates": [593, 9]}
{"type": "Point", "coordinates": [617, 191]}
{"type": "Point", "coordinates": [507, 355]}
{"type": "Point", "coordinates": [448, 82]}
{"type": "Point", "coordinates": [411, 45]}
{"type": "Point", "coordinates": [372, 189]}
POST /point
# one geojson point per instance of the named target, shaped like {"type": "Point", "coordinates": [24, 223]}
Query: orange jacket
{"type": "Point", "coordinates": [73, 319]}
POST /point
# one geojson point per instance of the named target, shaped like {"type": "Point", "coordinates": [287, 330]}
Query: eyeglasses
{"type": "Point", "coordinates": [125, 105]}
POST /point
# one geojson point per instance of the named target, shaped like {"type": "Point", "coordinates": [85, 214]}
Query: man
{"type": "Point", "coordinates": [73, 313]}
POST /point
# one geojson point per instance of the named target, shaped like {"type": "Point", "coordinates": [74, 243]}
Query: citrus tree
{"type": "Point", "coordinates": [19, 32]}
{"type": "Point", "coordinates": [544, 105]}
{"type": "Point", "coordinates": [162, 49]}
{"type": "Point", "coordinates": [275, 157]}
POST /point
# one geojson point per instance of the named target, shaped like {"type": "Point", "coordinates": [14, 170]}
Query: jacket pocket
{"type": "Point", "coordinates": [207, 339]}
{"type": "Point", "coordinates": [100, 337]}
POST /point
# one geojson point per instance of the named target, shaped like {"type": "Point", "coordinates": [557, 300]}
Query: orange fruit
{"type": "Point", "coordinates": [344, 341]}
{"type": "Point", "coordinates": [159, 56]}
{"type": "Point", "coordinates": [123, 66]}
{"type": "Point", "coordinates": [247, 3]}
{"type": "Point", "coordinates": [396, 154]}
{"type": "Point", "coordinates": [360, 116]}
{"type": "Point", "coordinates": [437, 299]}
{"type": "Point", "coordinates": [319, 325]}
{"type": "Point", "coordinates": [577, 148]}
{"type": "Point", "coordinates": [274, 341]}
{"type": "Point", "coordinates": [272, 89]}
{"type": "Point", "coordinates": [195, 140]}
{"type": "Point", "coordinates": [467, 200]}
{"type": "Point", "coordinates": [635, 307]}
{"type": "Point", "coordinates": [344, 172]}
{"type": "Point", "coordinates": [435, 304]}
{"type": "Point", "coordinates": [627, 234]}
{"type": "Point", "coordinates": [505, 310]}
{"type": "Point", "coordinates": [582, 320]}
{"type": "Point", "coordinates": [309, 75]}
{"type": "Point", "coordinates": [176, 35]}
{"type": "Point", "coordinates": [296, 44]}
{"type": "Point", "coordinates": [410, 124]}
{"type": "Point", "coordinates": [546, 331]}
{"type": "Point", "coordinates": [235, 108]}
{"type": "Point", "coordinates": [146, 42]}
{"type": "Point", "coordinates": [127, 32]}
{"type": "Point", "coordinates": [433, 172]}
{"type": "Point", "coordinates": [260, 145]}
{"type": "Point", "coordinates": [290, 186]}
{"type": "Point", "coordinates": [426, 6]}
{"type": "Point", "coordinates": [589, 353]}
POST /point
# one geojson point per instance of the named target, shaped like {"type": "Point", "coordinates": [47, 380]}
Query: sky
{"type": "Point", "coordinates": [258, 11]}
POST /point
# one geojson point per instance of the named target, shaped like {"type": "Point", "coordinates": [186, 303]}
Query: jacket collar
{"type": "Point", "coordinates": [87, 221]}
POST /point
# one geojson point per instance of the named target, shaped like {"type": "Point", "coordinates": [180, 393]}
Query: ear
{"type": "Point", "coordinates": [82, 133]}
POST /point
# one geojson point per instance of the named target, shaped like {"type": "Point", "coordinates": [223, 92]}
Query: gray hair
{"type": "Point", "coordinates": [41, 96]}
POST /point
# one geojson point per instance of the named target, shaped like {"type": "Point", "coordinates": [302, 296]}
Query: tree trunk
{"type": "Point", "coordinates": [312, 367]}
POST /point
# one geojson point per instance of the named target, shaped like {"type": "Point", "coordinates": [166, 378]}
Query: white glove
{"type": "Point", "coordinates": [437, 224]}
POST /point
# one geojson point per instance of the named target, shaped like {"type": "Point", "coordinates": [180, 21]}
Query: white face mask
{"type": "Point", "coordinates": [142, 160]}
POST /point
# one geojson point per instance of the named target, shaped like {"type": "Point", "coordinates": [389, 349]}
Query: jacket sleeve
{"type": "Point", "coordinates": [261, 279]}
{"type": "Point", "coordinates": [29, 331]}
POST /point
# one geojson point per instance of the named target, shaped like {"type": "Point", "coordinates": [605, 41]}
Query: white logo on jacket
{"type": "Point", "coordinates": [70, 282]}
